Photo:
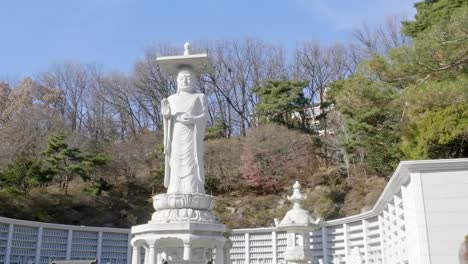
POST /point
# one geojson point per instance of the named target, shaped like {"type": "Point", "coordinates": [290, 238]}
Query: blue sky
{"type": "Point", "coordinates": [115, 33]}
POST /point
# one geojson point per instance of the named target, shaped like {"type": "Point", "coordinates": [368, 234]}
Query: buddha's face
{"type": "Point", "coordinates": [185, 81]}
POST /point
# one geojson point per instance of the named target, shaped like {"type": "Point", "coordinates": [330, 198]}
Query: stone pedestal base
{"type": "Point", "coordinates": [182, 230]}
{"type": "Point", "coordinates": [183, 207]}
{"type": "Point", "coordinates": [188, 242]}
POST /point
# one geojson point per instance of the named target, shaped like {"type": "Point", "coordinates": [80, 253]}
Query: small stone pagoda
{"type": "Point", "coordinates": [298, 224]}
{"type": "Point", "coordinates": [183, 229]}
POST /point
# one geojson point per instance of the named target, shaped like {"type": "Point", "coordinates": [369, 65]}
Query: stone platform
{"type": "Point", "coordinates": [182, 230]}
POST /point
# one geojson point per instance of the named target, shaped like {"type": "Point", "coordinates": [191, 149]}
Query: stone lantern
{"type": "Point", "coordinates": [298, 224]}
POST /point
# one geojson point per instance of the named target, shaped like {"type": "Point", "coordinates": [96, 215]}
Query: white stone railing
{"type": "Point", "coordinates": [24, 242]}
{"type": "Point", "coordinates": [421, 217]}
{"type": "Point", "coordinates": [407, 218]}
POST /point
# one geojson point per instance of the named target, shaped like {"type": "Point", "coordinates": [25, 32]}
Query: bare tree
{"type": "Point", "coordinates": [152, 85]}
{"type": "Point", "coordinates": [74, 80]}
{"type": "Point", "coordinates": [370, 41]}
{"type": "Point", "coordinates": [26, 119]}
{"type": "Point", "coordinates": [118, 93]}
{"type": "Point", "coordinates": [319, 66]}
{"type": "Point", "coordinates": [240, 66]}
{"type": "Point", "coordinates": [98, 123]}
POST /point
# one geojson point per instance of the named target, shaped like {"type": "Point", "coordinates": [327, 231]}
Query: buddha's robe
{"type": "Point", "coordinates": [184, 171]}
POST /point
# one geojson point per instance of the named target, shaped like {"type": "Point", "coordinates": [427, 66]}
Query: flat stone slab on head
{"type": "Point", "coordinates": [199, 63]}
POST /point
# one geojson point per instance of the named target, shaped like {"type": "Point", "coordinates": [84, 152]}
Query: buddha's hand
{"type": "Point", "coordinates": [185, 119]}
{"type": "Point", "coordinates": [165, 109]}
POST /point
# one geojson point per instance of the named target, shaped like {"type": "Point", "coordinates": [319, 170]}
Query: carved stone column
{"type": "Point", "coordinates": [187, 251]}
{"type": "Point", "coordinates": [152, 254]}
{"type": "Point", "coordinates": [146, 255]}
{"type": "Point", "coordinates": [136, 259]}
{"type": "Point", "coordinates": [220, 253]}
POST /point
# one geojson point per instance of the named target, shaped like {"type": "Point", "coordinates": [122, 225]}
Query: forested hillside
{"type": "Point", "coordinates": [79, 146]}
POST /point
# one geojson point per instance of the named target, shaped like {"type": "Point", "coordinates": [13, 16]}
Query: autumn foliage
{"type": "Point", "coordinates": [272, 155]}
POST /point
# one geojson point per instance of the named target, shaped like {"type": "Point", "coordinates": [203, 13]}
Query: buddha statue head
{"type": "Point", "coordinates": [186, 80]}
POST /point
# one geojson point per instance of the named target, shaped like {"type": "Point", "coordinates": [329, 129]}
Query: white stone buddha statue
{"type": "Point", "coordinates": [185, 116]}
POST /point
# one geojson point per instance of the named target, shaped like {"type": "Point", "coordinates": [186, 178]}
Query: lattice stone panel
{"type": "Point", "coordinates": [374, 252]}
{"type": "Point", "coordinates": [114, 248]}
{"type": "Point", "coordinates": [3, 241]}
{"type": "Point", "coordinates": [238, 248]}
{"type": "Point", "coordinates": [261, 248]}
{"type": "Point", "coordinates": [53, 245]}
{"type": "Point", "coordinates": [355, 237]}
{"type": "Point", "coordinates": [280, 247]}
{"type": "Point", "coordinates": [24, 244]}
{"type": "Point", "coordinates": [335, 242]}
{"type": "Point", "coordinates": [394, 232]}
{"type": "Point", "coordinates": [316, 244]}
{"type": "Point", "coordinates": [84, 245]}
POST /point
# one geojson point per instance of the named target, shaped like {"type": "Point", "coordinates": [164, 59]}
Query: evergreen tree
{"type": "Point", "coordinates": [91, 164]}
{"type": "Point", "coordinates": [411, 101]}
{"type": "Point", "coordinates": [282, 102]}
{"type": "Point", "coordinates": [439, 134]}
{"type": "Point", "coordinates": [371, 120]}
{"type": "Point", "coordinates": [431, 12]}
{"type": "Point", "coordinates": [66, 162]}
{"type": "Point", "coordinates": [23, 174]}
{"type": "Point", "coordinates": [217, 130]}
